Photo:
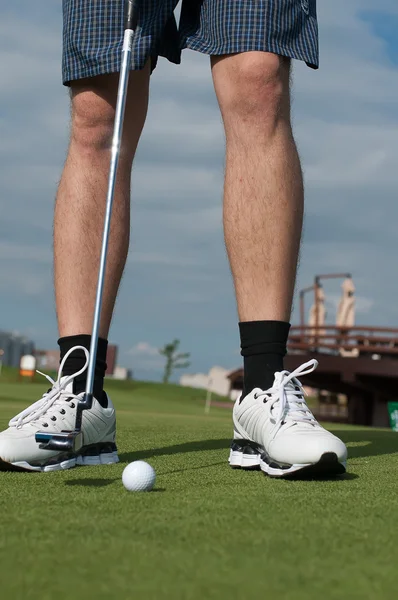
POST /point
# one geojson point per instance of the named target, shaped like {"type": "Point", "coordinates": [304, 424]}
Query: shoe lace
{"type": "Point", "coordinates": [57, 394]}
{"type": "Point", "coordinates": [288, 393]}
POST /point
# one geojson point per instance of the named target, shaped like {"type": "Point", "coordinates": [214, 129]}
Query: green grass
{"type": "Point", "coordinates": [206, 531]}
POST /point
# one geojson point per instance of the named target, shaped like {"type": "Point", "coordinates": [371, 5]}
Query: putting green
{"type": "Point", "coordinates": [206, 531]}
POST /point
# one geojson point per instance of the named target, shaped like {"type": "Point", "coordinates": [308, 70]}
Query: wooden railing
{"type": "Point", "coordinates": [354, 341]}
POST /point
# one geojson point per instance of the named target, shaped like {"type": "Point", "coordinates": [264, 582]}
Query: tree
{"type": "Point", "coordinates": [174, 360]}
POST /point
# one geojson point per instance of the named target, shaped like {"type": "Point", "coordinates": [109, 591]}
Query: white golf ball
{"type": "Point", "coordinates": [139, 476]}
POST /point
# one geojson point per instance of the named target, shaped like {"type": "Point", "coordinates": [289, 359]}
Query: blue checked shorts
{"type": "Point", "coordinates": [93, 31]}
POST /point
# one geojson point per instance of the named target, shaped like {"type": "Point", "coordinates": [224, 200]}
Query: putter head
{"type": "Point", "coordinates": [64, 441]}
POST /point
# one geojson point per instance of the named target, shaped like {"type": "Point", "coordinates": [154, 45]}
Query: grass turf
{"type": "Point", "coordinates": [206, 531]}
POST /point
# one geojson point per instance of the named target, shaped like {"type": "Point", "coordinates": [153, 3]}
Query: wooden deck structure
{"type": "Point", "coordinates": [361, 363]}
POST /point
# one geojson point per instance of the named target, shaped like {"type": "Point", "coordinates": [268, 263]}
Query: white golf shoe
{"type": "Point", "coordinates": [54, 412]}
{"type": "Point", "coordinates": [275, 430]}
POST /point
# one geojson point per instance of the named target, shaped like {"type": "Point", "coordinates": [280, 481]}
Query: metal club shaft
{"type": "Point", "coordinates": [116, 143]}
{"type": "Point", "coordinates": [73, 440]}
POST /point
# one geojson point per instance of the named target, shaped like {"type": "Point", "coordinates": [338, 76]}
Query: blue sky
{"type": "Point", "coordinates": [177, 281]}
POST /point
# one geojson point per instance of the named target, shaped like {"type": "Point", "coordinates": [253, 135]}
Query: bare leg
{"type": "Point", "coordinates": [263, 195]}
{"type": "Point", "coordinates": [81, 199]}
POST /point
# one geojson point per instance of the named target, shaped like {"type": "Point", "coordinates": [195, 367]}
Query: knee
{"type": "Point", "coordinates": [92, 124]}
{"type": "Point", "coordinates": [255, 91]}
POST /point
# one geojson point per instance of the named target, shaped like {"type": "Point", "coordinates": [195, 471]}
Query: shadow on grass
{"type": "Point", "coordinates": [331, 478]}
{"type": "Point", "coordinates": [92, 482]}
{"type": "Point", "coordinates": [215, 464]}
{"type": "Point", "coordinates": [101, 483]}
{"type": "Point", "coordinates": [220, 444]}
{"type": "Point", "coordinates": [371, 442]}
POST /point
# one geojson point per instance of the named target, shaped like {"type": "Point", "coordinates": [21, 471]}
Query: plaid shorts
{"type": "Point", "coordinates": [93, 31]}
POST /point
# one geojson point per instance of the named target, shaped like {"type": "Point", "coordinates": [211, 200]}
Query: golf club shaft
{"type": "Point", "coordinates": [116, 143]}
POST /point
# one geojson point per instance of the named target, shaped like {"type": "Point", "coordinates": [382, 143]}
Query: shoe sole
{"type": "Point", "coordinates": [252, 457]}
{"type": "Point", "coordinates": [96, 454]}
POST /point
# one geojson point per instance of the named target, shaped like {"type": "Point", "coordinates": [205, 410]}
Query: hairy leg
{"type": "Point", "coordinates": [81, 200]}
{"type": "Point", "coordinates": [263, 194]}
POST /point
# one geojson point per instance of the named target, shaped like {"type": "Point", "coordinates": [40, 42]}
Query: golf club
{"type": "Point", "coordinates": [73, 440]}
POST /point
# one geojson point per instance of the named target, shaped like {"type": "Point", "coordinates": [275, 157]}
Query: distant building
{"type": "Point", "coordinates": [197, 380]}
{"type": "Point", "coordinates": [217, 381]}
{"type": "Point", "coordinates": [14, 346]}
{"type": "Point", "coordinates": [121, 373]}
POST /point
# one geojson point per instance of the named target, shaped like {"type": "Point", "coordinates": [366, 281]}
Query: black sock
{"type": "Point", "coordinates": [76, 361]}
{"type": "Point", "coordinates": [263, 346]}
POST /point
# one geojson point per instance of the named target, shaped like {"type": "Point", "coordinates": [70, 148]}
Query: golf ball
{"type": "Point", "coordinates": [139, 476]}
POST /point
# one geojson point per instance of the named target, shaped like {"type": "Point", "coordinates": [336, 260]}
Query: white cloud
{"type": "Point", "coordinates": [146, 357]}
{"type": "Point", "coordinates": [364, 305]}
{"type": "Point", "coordinates": [144, 349]}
